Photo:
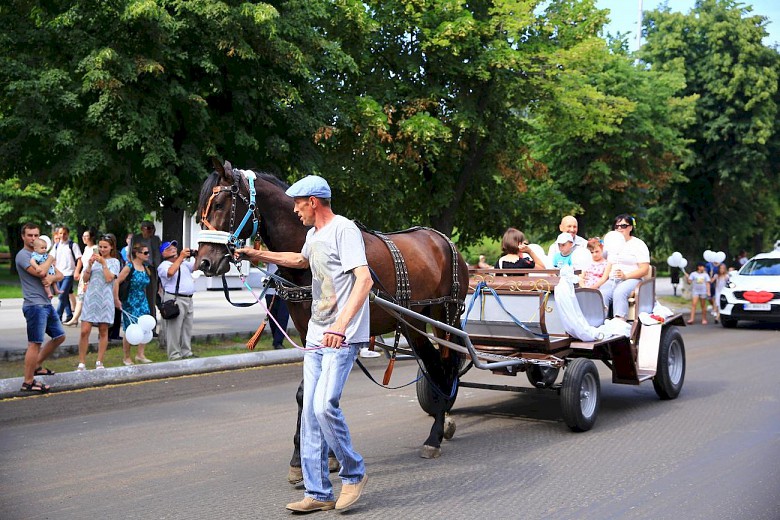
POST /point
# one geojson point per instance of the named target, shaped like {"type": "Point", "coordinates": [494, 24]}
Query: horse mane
{"type": "Point", "coordinates": [213, 180]}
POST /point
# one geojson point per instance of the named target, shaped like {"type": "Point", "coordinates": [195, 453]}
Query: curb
{"type": "Point", "coordinates": [65, 381]}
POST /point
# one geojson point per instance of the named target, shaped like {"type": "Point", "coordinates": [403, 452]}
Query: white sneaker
{"type": "Point", "coordinates": [81, 368]}
{"type": "Point", "coordinates": [366, 353]}
{"type": "Point", "coordinates": [99, 365]}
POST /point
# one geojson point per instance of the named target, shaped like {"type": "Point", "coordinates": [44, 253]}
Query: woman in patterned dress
{"type": "Point", "coordinates": [136, 303]}
{"type": "Point", "coordinates": [98, 309]}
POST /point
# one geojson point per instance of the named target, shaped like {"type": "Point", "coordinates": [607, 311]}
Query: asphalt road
{"type": "Point", "coordinates": [218, 446]}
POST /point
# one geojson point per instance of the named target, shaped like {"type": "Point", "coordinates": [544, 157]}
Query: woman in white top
{"type": "Point", "coordinates": [90, 248]}
{"type": "Point", "coordinates": [625, 268]}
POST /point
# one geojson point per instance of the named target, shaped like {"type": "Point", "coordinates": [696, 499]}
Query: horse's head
{"type": "Point", "coordinates": [228, 215]}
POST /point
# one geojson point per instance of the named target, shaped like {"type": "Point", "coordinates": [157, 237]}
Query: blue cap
{"type": "Point", "coordinates": [166, 245]}
{"type": "Point", "coordinates": [310, 186]}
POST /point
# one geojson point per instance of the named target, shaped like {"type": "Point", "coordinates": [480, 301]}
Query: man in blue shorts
{"type": "Point", "coordinates": [38, 311]}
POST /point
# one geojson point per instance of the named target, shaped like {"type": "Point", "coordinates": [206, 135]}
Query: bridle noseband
{"type": "Point", "coordinates": [231, 239]}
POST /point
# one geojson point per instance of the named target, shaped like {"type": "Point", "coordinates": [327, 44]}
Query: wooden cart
{"type": "Point", "coordinates": [513, 325]}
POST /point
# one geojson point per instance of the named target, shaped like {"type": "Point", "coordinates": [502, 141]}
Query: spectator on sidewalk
{"type": "Point", "coordinates": [175, 273]}
{"type": "Point", "coordinates": [66, 254]}
{"type": "Point", "coordinates": [135, 303]}
{"type": "Point", "coordinates": [90, 247]}
{"type": "Point", "coordinates": [38, 311]}
{"type": "Point", "coordinates": [99, 303]}
{"type": "Point", "coordinates": [278, 309]}
{"type": "Point", "coordinates": [152, 241]}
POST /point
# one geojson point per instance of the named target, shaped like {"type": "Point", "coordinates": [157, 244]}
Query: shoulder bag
{"type": "Point", "coordinates": [168, 308]}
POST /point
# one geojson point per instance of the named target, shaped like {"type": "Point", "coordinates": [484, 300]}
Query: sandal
{"type": "Point", "coordinates": [35, 386]}
{"type": "Point", "coordinates": [40, 371]}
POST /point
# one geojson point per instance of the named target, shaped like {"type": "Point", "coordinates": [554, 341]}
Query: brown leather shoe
{"type": "Point", "coordinates": [350, 493]}
{"type": "Point", "coordinates": [309, 505]}
{"type": "Point", "coordinates": [295, 475]}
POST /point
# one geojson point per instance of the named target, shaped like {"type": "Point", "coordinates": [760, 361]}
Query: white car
{"type": "Point", "coordinates": [753, 293]}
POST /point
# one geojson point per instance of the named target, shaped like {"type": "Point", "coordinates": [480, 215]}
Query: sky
{"type": "Point", "coordinates": [625, 15]}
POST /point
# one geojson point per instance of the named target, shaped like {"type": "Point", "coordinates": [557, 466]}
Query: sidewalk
{"type": "Point", "coordinates": [214, 317]}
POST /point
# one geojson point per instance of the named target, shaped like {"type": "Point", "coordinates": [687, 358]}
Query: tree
{"type": "Point", "coordinates": [730, 197]}
{"type": "Point", "coordinates": [613, 139]}
{"type": "Point", "coordinates": [435, 129]}
{"type": "Point", "coordinates": [20, 204]}
{"type": "Point", "coordinates": [118, 104]}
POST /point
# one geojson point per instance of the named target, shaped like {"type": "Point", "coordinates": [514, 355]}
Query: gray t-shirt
{"type": "Point", "coordinates": [32, 286]}
{"type": "Point", "coordinates": [333, 252]}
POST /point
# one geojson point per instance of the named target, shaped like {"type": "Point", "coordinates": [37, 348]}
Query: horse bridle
{"type": "Point", "coordinates": [231, 239]}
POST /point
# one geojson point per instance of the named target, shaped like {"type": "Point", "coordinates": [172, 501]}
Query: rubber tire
{"type": "Point", "coordinates": [670, 375]}
{"type": "Point", "coordinates": [541, 377]}
{"type": "Point", "coordinates": [728, 323]}
{"type": "Point", "coordinates": [580, 411]}
{"type": "Point", "coordinates": [426, 394]}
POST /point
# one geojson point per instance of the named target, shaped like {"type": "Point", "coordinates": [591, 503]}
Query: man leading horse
{"type": "Point", "coordinates": [338, 329]}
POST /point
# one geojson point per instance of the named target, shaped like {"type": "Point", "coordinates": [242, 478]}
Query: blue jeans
{"type": "Point", "coordinates": [66, 286]}
{"type": "Point", "coordinates": [42, 320]}
{"type": "Point", "coordinates": [325, 371]}
{"type": "Point", "coordinates": [282, 315]}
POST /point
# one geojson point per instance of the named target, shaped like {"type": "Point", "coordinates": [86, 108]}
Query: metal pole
{"type": "Point", "coordinates": [639, 28]}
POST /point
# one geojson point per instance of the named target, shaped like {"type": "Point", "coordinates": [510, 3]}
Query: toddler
{"type": "Point", "coordinates": [592, 274]}
{"type": "Point", "coordinates": [39, 256]}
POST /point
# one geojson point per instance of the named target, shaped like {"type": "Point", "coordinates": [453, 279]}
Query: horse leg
{"type": "Point", "coordinates": [443, 372]}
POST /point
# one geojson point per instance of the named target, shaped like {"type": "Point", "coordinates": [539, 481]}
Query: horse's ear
{"type": "Point", "coordinates": [217, 166]}
{"type": "Point", "coordinates": [228, 173]}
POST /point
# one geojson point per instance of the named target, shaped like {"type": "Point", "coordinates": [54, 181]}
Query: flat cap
{"type": "Point", "coordinates": [310, 186]}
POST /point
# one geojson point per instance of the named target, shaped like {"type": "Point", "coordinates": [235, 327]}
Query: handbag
{"type": "Point", "coordinates": [169, 309]}
{"type": "Point", "coordinates": [124, 287]}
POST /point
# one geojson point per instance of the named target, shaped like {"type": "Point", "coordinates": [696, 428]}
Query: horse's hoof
{"type": "Point", "coordinates": [295, 475]}
{"type": "Point", "coordinates": [429, 452]}
{"type": "Point", "coordinates": [333, 464]}
{"type": "Point", "coordinates": [449, 428]}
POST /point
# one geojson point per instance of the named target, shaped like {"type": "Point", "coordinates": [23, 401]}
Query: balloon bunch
{"type": "Point", "coordinates": [712, 256]}
{"type": "Point", "coordinates": [677, 260]}
{"type": "Point", "coordinates": [140, 331]}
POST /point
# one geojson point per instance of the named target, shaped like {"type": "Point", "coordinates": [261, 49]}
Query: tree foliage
{"type": "Point", "coordinates": [118, 104]}
{"type": "Point", "coordinates": [729, 200]}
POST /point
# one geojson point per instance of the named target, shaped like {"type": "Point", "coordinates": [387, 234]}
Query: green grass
{"type": "Point", "coordinates": [10, 287]}
{"type": "Point", "coordinates": [113, 358]}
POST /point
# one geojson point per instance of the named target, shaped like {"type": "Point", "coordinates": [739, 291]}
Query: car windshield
{"type": "Point", "coordinates": [761, 267]}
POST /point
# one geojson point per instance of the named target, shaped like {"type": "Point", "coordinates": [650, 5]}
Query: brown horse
{"type": "Point", "coordinates": [437, 273]}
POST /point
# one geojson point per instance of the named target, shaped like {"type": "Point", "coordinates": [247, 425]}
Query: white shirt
{"type": "Point", "coordinates": [187, 283]}
{"type": "Point", "coordinates": [629, 256]}
{"type": "Point", "coordinates": [64, 258]}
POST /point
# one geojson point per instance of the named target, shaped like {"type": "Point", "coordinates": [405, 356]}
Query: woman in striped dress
{"type": "Point", "coordinates": [98, 309]}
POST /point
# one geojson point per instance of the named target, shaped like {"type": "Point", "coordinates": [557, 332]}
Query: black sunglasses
{"type": "Point", "coordinates": [107, 237]}
{"type": "Point", "coordinates": [143, 252]}
{"type": "Point", "coordinates": [621, 226]}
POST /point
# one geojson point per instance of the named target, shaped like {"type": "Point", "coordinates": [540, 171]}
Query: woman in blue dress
{"type": "Point", "coordinates": [136, 303]}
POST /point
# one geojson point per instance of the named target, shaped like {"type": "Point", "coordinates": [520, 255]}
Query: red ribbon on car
{"type": "Point", "coordinates": [758, 296]}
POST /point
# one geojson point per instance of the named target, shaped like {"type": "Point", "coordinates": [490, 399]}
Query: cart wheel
{"type": "Point", "coordinates": [540, 376]}
{"type": "Point", "coordinates": [427, 395]}
{"type": "Point", "coordinates": [728, 323]}
{"type": "Point", "coordinates": [580, 394]}
{"type": "Point", "coordinates": [668, 380]}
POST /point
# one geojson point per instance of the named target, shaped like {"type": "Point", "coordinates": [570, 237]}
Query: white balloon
{"type": "Point", "coordinates": [147, 322]}
{"type": "Point", "coordinates": [134, 334]}
{"type": "Point", "coordinates": [613, 242]}
{"type": "Point", "coordinates": [147, 337]}
{"type": "Point", "coordinates": [683, 263]}
{"type": "Point", "coordinates": [540, 254]}
{"type": "Point", "coordinates": [708, 256]}
{"type": "Point", "coordinates": [720, 257]}
{"type": "Point", "coordinates": [580, 258]}
{"type": "Point", "coordinates": [677, 256]}
{"type": "Point", "coordinates": [672, 261]}
{"type": "Point", "coordinates": [47, 240]}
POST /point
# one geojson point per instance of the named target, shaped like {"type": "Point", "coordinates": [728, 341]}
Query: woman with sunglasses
{"type": "Point", "coordinates": [136, 303]}
{"type": "Point", "coordinates": [99, 275]}
{"type": "Point", "coordinates": [625, 267]}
